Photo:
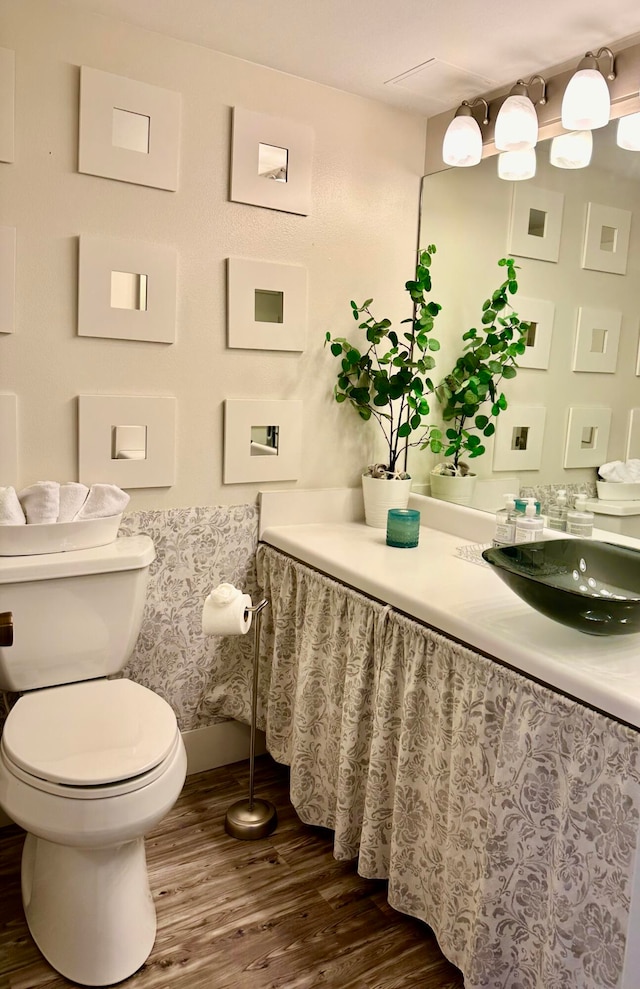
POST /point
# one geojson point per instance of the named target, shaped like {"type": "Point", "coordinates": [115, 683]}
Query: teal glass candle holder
{"type": "Point", "coordinates": [403, 527]}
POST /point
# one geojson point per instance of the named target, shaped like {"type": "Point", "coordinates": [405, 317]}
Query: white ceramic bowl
{"type": "Point", "coordinates": [57, 537]}
{"type": "Point", "coordinates": [618, 490]}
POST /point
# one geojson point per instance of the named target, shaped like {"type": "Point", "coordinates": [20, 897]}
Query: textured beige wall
{"type": "Point", "coordinates": [359, 241]}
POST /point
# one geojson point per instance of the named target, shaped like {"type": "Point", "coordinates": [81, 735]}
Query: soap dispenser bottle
{"type": "Point", "coordinates": [579, 520]}
{"type": "Point", "coordinates": [505, 533]}
{"type": "Point", "coordinates": [529, 526]}
{"type": "Point", "coordinates": [558, 512]}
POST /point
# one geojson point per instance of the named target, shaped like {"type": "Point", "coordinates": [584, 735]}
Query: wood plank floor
{"type": "Point", "coordinates": [277, 913]}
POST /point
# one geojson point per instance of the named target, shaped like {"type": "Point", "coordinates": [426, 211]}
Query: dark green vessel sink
{"type": "Point", "coordinates": [588, 585]}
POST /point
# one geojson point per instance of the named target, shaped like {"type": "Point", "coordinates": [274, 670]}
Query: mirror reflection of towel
{"type": "Point", "coordinates": [621, 471]}
{"type": "Point", "coordinates": [262, 450]}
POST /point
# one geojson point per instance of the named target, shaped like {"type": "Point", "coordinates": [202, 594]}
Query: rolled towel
{"type": "Point", "coordinates": [41, 502]}
{"type": "Point", "coordinates": [103, 501]}
{"type": "Point", "coordinates": [72, 497]}
{"type": "Point", "coordinates": [620, 471]}
{"type": "Point", "coordinates": [10, 508]}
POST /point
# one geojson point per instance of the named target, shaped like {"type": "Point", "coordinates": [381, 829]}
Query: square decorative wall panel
{"type": "Point", "coordinates": [7, 279]}
{"type": "Point", "coordinates": [127, 440]}
{"type": "Point", "coordinates": [126, 290]}
{"type": "Point", "coordinates": [8, 440]}
{"type": "Point", "coordinates": [519, 438]}
{"type": "Point", "coordinates": [7, 104]}
{"type": "Point", "coordinates": [633, 436]}
{"type": "Point", "coordinates": [266, 305]}
{"type": "Point", "coordinates": [271, 162]}
{"type": "Point", "coordinates": [129, 130]}
{"type": "Point", "coordinates": [597, 339]}
{"type": "Point", "coordinates": [606, 239]}
{"type": "Point", "coordinates": [536, 222]}
{"type": "Point", "coordinates": [587, 437]}
{"type": "Point", "coordinates": [262, 440]}
{"type": "Point", "coordinates": [539, 313]}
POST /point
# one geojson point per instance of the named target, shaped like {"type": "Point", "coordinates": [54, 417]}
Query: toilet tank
{"type": "Point", "coordinates": [76, 615]}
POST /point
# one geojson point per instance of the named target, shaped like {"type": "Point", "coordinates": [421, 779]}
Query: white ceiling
{"type": "Point", "coordinates": [425, 55]}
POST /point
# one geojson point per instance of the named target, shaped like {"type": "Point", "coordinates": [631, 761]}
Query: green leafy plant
{"type": "Point", "coordinates": [387, 377]}
{"type": "Point", "coordinates": [470, 395]}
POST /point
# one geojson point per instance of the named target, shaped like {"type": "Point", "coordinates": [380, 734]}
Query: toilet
{"type": "Point", "coordinates": [89, 762]}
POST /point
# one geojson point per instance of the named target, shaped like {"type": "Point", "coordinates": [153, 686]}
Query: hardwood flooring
{"type": "Point", "coordinates": [277, 913]}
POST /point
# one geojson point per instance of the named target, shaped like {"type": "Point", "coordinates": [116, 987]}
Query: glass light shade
{"type": "Point", "coordinates": [462, 145]}
{"type": "Point", "coordinates": [629, 132]}
{"type": "Point", "coordinates": [517, 165]}
{"type": "Point", "coordinates": [586, 103]}
{"type": "Point", "coordinates": [516, 125]}
{"type": "Point", "coordinates": [572, 150]}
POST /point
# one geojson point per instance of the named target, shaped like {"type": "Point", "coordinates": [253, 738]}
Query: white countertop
{"type": "Point", "coordinates": [462, 599]}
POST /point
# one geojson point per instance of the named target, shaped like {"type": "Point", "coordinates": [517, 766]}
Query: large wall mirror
{"type": "Point", "coordinates": [575, 234]}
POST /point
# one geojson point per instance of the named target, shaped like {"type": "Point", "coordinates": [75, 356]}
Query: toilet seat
{"type": "Point", "coordinates": [91, 739]}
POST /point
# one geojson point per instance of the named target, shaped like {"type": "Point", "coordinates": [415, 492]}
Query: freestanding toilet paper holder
{"type": "Point", "coordinates": [252, 818]}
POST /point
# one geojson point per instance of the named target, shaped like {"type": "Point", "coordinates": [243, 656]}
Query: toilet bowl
{"type": "Point", "coordinates": [89, 766]}
{"type": "Point", "coordinates": [87, 769]}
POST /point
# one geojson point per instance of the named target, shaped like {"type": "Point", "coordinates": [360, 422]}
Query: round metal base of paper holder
{"type": "Point", "coordinates": [251, 819]}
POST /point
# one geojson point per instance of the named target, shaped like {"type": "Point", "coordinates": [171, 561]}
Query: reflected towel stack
{"type": "Point", "coordinates": [620, 471]}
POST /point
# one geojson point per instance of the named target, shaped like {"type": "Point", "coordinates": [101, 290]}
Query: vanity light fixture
{"type": "Point", "coordinates": [462, 145]}
{"type": "Point", "coordinates": [515, 166]}
{"type": "Point", "coordinates": [628, 136]}
{"type": "Point", "coordinates": [572, 150]}
{"type": "Point", "coordinates": [586, 104]}
{"type": "Point", "coordinates": [517, 121]}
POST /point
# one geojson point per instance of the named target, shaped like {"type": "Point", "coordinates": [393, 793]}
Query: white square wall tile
{"type": "Point", "coordinates": [587, 437]}
{"type": "Point", "coordinates": [519, 438]}
{"type": "Point", "coordinates": [271, 161]}
{"type": "Point", "coordinates": [597, 339]}
{"type": "Point", "coordinates": [127, 440]}
{"type": "Point", "coordinates": [126, 289]}
{"type": "Point", "coordinates": [7, 279]}
{"type": "Point", "coordinates": [262, 440]}
{"type": "Point", "coordinates": [7, 104]}
{"type": "Point", "coordinates": [115, 115]}
{"type": "Point", "coordinates": [8, 440]}
{"type": "Point", "coordinates": [255, 324]}
{"type": "Point", "coordinates": [539, 313]}
{"type": "Point", "coordinates": [535, 222]}
{"type": "Point", "coordinates": [606, 239]}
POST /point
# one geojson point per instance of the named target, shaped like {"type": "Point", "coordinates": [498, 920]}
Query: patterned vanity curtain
{"type": "Point", "coordinates": [503, 814]}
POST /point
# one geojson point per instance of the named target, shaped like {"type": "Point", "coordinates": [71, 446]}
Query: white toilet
{"type": "Point", "coordinates": [87, 765]}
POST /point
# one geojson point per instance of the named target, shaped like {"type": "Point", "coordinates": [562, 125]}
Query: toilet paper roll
{"type": "Point", "coordinates": [225, 611]}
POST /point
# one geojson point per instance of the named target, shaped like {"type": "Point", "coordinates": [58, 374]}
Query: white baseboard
{"type": "Point", "coordinates": [219, 745]}
{"type": "Point", "coordinates": [208, 748]}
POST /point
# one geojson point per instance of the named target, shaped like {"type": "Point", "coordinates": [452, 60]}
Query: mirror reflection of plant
{"type": "Point", "coordinates": [490, 355]}
{"type": "Point", "coordinates": [388, 380]}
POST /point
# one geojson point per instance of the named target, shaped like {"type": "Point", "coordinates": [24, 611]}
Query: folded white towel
{"type": "Point", "coordinates": [10, 508]}
{"type": "Point", "coordinates": [620, 471]}
{"type": "Point", "coordinates": [41, 502]}
{"type": "Point", "coordinates": [72, 497]}
{"type": "Point", "coordinates": [103, 501]}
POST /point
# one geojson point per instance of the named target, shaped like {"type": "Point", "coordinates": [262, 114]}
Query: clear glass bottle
{"type": "Point", "coordinates": [558, 512]}
{"type": "Point", "coordinates": [579, 520]}
{"type": "Point", "coordinates": [506, 522]}
{"type": "Point", "coordinates": [529, 526]}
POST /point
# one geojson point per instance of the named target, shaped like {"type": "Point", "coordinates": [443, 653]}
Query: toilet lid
{"type": "Point", "coordinates": [89, 733]}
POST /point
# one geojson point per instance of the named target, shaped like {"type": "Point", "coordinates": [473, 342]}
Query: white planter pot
{"type": "Point", "coordinates": [380, 494]}
{"type": "Point", "coordinates": [448, 487]}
